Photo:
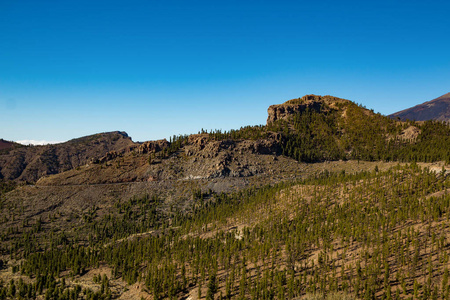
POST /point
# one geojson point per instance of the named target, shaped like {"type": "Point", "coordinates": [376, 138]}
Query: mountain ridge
{"type": "Point", "coordinates": [437, 109]}
{"type": "Point", "coordinates": [312, 128]}
{"type": "Point", "coordinates": [29, 163]}
{"type": "Point", "coordinates": [6, 146]}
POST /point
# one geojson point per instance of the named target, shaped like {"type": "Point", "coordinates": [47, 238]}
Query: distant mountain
{"type": "Point", "coordinates": [5, 146]}
{"type": "Point", "coordinates": [29, 163]}
{"type": "Point", "coordinates": [436, 109]}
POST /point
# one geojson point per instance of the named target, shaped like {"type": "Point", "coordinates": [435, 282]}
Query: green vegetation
{"type": "Point", "coordinates": [175, 144]}
{"type": "Point", "coordinates": [326, 134]}
{"type": "Point", "coordinates": [246, 133]}
{"type": "Point", "coordinates": [313, 137]}
{"type": "Point", "coordinates": [371, 234]}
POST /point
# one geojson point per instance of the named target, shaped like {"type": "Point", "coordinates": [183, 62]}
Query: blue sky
{"type": "Point", "coordinates": [159, 68]}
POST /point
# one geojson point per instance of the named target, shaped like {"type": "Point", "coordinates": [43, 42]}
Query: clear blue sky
{"type": "Point", "coordinates": [158, 68]}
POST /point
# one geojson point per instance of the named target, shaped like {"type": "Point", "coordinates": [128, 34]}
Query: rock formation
{"type": "Point", "coordinates": [153, 146]}
{"type": "Point", "coordinates": [286, 110]}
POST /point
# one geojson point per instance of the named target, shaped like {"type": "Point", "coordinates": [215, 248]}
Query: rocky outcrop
{"type": "Point", "coordinates": [109, 156]}
{"type": "Point", "coordinates": [289, 108]}
{"type": "Point", "coordinates": [153, 146]}
{"type": "Point", "coordinates": [201, 145]}
{"type": "Point", "coordinates": [209, 158]}
{"type": "Point", "coordinates": [409, 134]}
{"type": "Point", "coordinates": [199, 141]}
{"type": "Point", "coordinates": [271, 145]}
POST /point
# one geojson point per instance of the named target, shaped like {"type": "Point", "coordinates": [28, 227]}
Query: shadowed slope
{"type": "Point", "coordinates": [436, 109]}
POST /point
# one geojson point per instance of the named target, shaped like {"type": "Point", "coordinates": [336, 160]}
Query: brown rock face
{"type": "Point", "coordinates": [109, 156]}
{"type": "Point", "coordinates": [208, 158]}
{"type": "Point", "coordinates": [198, 140]}
{"type": "Point", "coordinates": [286, 110]}
{"type": "Point", "coordinates": [271, 145]}
{"type": "Point", "coordinates": [153, 146]}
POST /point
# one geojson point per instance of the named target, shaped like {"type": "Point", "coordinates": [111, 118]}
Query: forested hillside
{"type": "Point", "coordinates": [371, 234]}
{"type": "Point", "coordinates": [315, 128]}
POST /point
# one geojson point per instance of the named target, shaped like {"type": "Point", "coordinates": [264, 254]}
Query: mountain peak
{"type": "Point", "coordinates": [31, 163]}
{"type": "Point", "coordinates": [436, 109]}
{"type": "Point", "coordinates": [314, 98]}
{"type": "Point", "coordinates": [293, 106]}
{"type": "Point", "coordinates": [445, 96]}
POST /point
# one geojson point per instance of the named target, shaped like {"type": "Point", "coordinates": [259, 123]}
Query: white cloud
{"type": "Point", "coordinates": [34, 142]}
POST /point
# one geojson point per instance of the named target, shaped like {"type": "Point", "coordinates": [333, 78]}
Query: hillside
{"type": "Point", "coordinates": [32, 162]}
{"type": "Point", "coordinates": [375, 233]}
{"type": "Point", "coordinates": [6, 146]}
{"type": "Point", "coordinates": [437, 109]}
{"type": "Point", "coordinates": [327, 197]}
{"type": "Point", "coordinates": [316, 128]}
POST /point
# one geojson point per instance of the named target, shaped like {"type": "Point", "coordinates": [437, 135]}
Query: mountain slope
{"type": "Point", "coordinates": [316, 128]}
{"type": "Point", "coordinates": [32, 162]}
{"type": "Point", "coordinates": [373, 235]}
{"type": "Point", "coordinates": [437, 109]}
{"type": "Point", "coordinates": [6, 146]}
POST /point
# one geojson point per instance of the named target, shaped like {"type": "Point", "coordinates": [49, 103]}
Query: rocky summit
{"type": "Point", "coordinates": [286, 110]}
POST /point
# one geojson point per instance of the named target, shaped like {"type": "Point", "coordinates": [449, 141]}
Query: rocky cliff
{"type": "Point", "coordinates": [286, 110]}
